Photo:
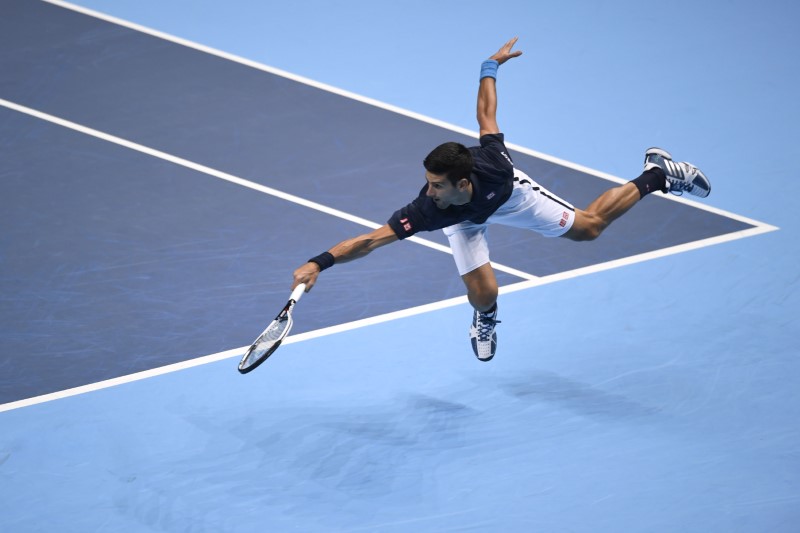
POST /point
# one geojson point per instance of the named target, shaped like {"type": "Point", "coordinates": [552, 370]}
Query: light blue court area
{"type": "Point", "coordinates": [153, 189]}
{"type": "Point", "coordinates": [353, 433]}
{"type": "Point", "coordinates": [646, 382]}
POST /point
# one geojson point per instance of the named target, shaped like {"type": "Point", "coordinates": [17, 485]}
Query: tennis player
{"type": "Point", "coordinates": [469, 189]}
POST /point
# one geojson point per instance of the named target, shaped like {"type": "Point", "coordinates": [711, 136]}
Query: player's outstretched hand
{"type": "Point", "coordinates": [307, 274]}
{"type": "Point", "coordinates": [505, 53]}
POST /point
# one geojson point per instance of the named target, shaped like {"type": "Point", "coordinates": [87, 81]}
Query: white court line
{"type": "Point", "coordinates": [647, 256]}
{"type": "Point", "coordinates": [382, 105]}
{"type": "Point", "coordinates": [387, 317]}
{"type": "Point", "coordinates": [233, 179]}
{"type": "Point", "coordinates": [533, 281]}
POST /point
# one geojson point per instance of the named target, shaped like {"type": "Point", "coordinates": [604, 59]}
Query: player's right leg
{"type": "Point", "coordinates": [481, 288]}
{"type": "Point", "coordinates": [471, 254]}
{"type": "Point", "coordinates": [482, 293]}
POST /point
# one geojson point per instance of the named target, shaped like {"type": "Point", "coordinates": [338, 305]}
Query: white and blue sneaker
{"type": "Point", "coordinates": [482, 335]}
{"type": "Point", "coordinates": [681, 177]}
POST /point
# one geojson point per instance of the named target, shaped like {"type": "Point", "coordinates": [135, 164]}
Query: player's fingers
{"type": "Point", "coordinates": [308, 278]}
{"type": "Point", "coordinates": [510, 44]}
{"type": "Point", "coordinates": [298, 279]}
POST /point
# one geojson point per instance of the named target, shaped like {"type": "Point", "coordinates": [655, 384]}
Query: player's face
{"type": "Point", "coordinates": [443, 193]}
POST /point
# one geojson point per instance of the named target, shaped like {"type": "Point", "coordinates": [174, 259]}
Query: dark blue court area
{"type": "Point", "coordinates": [127, 262]}
{"type": "Point", "coordinates": [155, 199]}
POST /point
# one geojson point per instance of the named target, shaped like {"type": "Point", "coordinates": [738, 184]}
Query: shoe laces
{"type": "Point", "coordinates": [685, 185]}
{"type": "Point", "coordinates": [485, 326]}
{"type": "Point", "coordinates": [679, 175]}
{"type": "Point", "coordinates": [678, 188]}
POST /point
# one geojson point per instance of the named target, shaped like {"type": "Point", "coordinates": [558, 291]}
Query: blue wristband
{"type": "Point", "coordinates": [489, 69]}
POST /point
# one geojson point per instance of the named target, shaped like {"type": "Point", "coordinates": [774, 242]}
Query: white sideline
{"type": "Point", "coordinates": [395, 315]}
{"type": "Point", "coordinates": [532, 281]}
{"type": "Point", "coordinates": [377, 103]}
{"type": "Point", "coordinates": [230, 178]}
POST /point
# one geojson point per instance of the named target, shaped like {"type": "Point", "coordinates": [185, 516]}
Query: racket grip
{"type": "Point", "coordinates": [298, 292]}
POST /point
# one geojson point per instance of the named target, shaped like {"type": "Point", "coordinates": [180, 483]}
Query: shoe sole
{"type": "Point", "coordinates": [658, 151]}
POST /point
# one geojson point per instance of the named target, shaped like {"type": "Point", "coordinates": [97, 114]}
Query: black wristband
{"type": "Point", "coordinates": [324, 260]}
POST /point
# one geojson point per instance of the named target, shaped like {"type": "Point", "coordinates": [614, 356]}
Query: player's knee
{"type": "Point", "coordinates": [481, 287]}
{"type": "Point", "coordinates": [483, 303]}
{"type": "Point", "coordinates": [587, 227]}
{"type": "Point", "coordinates": [482, 298]}
{"type": "Point", "coordinates": [590, 233]}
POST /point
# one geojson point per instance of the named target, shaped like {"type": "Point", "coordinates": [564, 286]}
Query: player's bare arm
{"type": "Point", "coordinates": [487, 92]}
{"type": "Point", "coordinates": [345, 251]}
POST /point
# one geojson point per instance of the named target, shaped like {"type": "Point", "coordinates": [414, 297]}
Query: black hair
{"type": "Point", "coordinates": [452, 160]}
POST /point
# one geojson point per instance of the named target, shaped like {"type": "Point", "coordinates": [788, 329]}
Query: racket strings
{"type": "Point", "coordinates": [275, 330]}
{"type": "Point", "coordinates": [271, 338]}
{"type": "Point", "coordinates": [267, 340]}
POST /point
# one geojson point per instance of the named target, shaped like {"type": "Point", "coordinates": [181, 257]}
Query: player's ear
{"type": "Point", "coordinates": [462, 184]}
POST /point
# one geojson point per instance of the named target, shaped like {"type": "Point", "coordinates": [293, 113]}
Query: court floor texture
{"type": "Point", "coordinates": [163, 170]}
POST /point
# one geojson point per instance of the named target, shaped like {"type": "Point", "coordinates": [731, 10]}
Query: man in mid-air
{"type": "Point", "coordinates": [469, 189]}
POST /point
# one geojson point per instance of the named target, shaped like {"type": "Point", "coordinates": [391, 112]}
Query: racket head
{"type": "Point", "coordinates": [267, 342]}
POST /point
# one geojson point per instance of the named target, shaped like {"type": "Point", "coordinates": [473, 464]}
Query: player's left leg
{"type": "Point", "coordinates": [660, 174]}
{"type": "Point", "coordinates": [533, 207]}
{"type": "Point", "coordinates": [590, 222]}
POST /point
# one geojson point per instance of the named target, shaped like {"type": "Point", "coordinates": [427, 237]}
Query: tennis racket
{"type": "Point", "coordinates": [271, 338]}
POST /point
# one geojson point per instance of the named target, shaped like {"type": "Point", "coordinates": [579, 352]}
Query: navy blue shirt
{"type": "Point", "coordinates": [492, 180]}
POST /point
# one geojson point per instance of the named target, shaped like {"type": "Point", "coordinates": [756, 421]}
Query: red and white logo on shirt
{"type": "Point", "coordinates": [564, 219]}
{"type": "Point", "coordinates": [406, 224]}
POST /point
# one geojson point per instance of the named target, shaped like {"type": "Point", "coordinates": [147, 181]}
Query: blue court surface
{"type": "Point", "coordinates": [163, 170]}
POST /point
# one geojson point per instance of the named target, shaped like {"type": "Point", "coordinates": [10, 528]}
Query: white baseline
{"type": "Point", "coordinates": [532, 281]}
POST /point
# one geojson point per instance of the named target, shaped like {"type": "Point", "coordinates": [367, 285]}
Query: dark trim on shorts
{"type": "Point", "coordinates": [543, 193]}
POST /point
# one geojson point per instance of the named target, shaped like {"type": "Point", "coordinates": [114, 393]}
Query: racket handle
{"type": "Point", "coordinates": [298, 292]}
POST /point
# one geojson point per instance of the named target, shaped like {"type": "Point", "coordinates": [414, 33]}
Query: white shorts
{"type": "Point", "coordinates": [530, 206]}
